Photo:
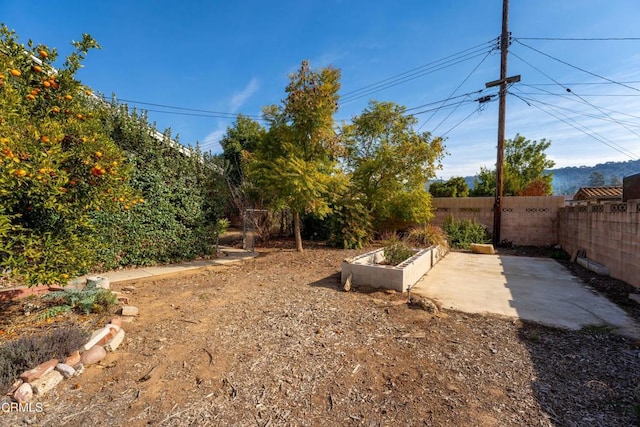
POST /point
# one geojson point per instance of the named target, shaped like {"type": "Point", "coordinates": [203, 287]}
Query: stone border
{"type": "Point", "coordinates": [46, 376]}
{"type": "Point", "coordinates": [365, 270]}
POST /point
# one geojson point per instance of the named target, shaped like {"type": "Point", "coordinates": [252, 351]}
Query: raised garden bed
{"type": "Point", "coordinates": [368, 269]}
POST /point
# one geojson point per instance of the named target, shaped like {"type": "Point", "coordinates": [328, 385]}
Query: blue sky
{"type": "Point", "coordinates": [235, 57]}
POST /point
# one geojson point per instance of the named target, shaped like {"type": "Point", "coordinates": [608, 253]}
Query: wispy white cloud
{"type": "Point", "coordinates": [211, 142]}
{"type": "Point", "coordinates": [239, 98]}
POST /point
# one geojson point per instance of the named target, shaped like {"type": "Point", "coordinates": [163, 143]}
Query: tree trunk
{"type": "Point", "coordinates": [296, 230]}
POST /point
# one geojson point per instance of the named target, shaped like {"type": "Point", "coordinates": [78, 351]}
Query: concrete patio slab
{"type": "Point", "coordinates": [536, 289]}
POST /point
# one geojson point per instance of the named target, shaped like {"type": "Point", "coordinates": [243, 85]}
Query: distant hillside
{"type": "Point", "coordinates": [568, 180]}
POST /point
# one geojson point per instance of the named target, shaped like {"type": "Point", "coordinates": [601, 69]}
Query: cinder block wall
{"type": "Point", "coordinates": [608, 232]}
{"type": "Point", "coordinates": [525, 220]}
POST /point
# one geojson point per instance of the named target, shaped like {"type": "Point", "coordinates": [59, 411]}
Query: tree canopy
{"type": "Point", "coordinates": [295, 163]}
{"type": "Point", "coordinates": [389, 164]}
{"type": "Point", "coordinates": [525, 162]}
{"type": "Point", "coordinates": [453, 187]}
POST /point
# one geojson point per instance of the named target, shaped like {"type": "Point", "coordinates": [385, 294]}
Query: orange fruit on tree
{"type": "Point", "coordinates": [98, 154]}
{"type": "Point", "coordinates": [56, 109]}
{"type": "Point", "coordinates": [31, 97]}
{"type": "Point", "coordinates": [68, 97]}
{"type": "Point", "coordinates": [46, 83]}
{"type": "Point", "coordinates": [43, 53]}
{"type": "Point", "coordinates": [45, 139]}
{"type": "Point", "coordinates": [20, 172]}
{"type": "Point", "coordinates": [16, 73]}
{"type": "Point", "coordinates": [37, 68]}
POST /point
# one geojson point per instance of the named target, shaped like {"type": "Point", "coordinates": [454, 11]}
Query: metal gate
{"type": "Point", "coordinates": [251, 219]}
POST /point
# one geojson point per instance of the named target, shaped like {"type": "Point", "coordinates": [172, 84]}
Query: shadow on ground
{"type": "Point", "coordinates": [583, 377]}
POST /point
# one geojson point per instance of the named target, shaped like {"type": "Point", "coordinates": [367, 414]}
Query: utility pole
{"type": "Point", "coordinates": [504, 80]}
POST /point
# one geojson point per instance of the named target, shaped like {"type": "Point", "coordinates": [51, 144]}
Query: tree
{"type": "Point", "coordinates": [525, 162]}
{"type": "Point", "coordinates": [243, 135]}
{"type": "Point", "coordinates": [454, 187]}
{"type": "Point", "coordinates": [596, 179]}
{"type": "Point", "coordinates": [390, 163]}
{"type": "Point", "coordinates": [295, 163]}
{"type": "Point", "coordinates": [57, 164]}
{"type": "Point", "coordinates": [615, 181]}
{"type": "Point", "coordinates": [240, 139]}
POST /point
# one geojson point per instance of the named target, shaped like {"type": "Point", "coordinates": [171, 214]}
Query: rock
{"type": "Point", "coordinates": [98, 282]}
{"type": "Point", "coordinates": [96, 337]}
{"type": "Point", "coordinates": [481, 248]}
{"type": "Point", "coordinates": [66, 370]}
{"type": "Point", "coordinates": [116, 321]}
{"type": "Point", "coordinates": [24, 393]}
{"type": "Point", "coordinates": [347, 283]}
{"type": "Point", "coordinates": [46, 382]}
{"type": "Point", "coordinates": [378, 257]}
{"type": "Point", "coordinates": [73, 359]}
{"type": "Point", "coordinates": [128, 319]}
{"type": "Point", "coordinates": [115, 342]}
{"type": "Point", "coordinates": [129, 310]}
{"type": "Point", "coordinates": [17, 383]}
{"type": "Point", "coordinates": [129, 288]}
{"type": "Point", "coordinates": [39, 371]}
{"type": "Point", "coordinates": [123, 300]}
{"type": "Point", "coordinates": [423, 303]}
{"type": "Point", "coordinates": [94, 355]}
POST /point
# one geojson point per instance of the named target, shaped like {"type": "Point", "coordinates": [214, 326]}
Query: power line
{"type": "Point", "coordinates": [593, 95]}
{"type": "Point", "coordinates": [214, 116]}
{"type": "Point", "coordinates": [579, 97]}
{"type": "Point", "coordinates": [217, 113]}
{"type": "Point", "coordinates": [463, 120]}
{"type": "Point", "coordinates": [464, 95]}
{"type": "Point", "coordinates": [580, 127]}
{"type": "Point", "coordinates": [413, 74]}
{"type": "Point", "coordinates": [593, 116]}
{"type": "Point", "coordinates": [582, 83]}
{"type": "Point", "coordinates": [576, 67]}
{"type": "Point", "coordinates": [581, 38]}
{"type": "Point", "coordinates": [417, 68]}
{"type": "Point", "coordinates": [452, 93]}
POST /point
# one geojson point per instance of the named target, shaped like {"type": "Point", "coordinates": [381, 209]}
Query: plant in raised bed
{"type": "Point", "coordinates": [427, 235]}
{"type": "Point", "coordinates": [396, 251]}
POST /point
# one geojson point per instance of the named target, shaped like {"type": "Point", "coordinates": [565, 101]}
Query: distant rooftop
{"type": "Point", "coordinates": [599, 193]}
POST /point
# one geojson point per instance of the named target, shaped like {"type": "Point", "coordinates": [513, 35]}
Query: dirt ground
{"type": "Point", "coordinates": [276, 341]}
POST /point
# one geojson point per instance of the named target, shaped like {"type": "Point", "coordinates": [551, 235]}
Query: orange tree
{"type": "Point", "coordinates": [57, 164]}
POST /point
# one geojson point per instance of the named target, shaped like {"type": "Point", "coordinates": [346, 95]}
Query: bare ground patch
{"type": "Point", "coordinates": [274, 341]}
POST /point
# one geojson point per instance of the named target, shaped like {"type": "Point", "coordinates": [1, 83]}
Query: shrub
{"type": "Point", "coordinates": [463, 232]}
{"type": "Point", "coordinates": [396, 251]}
{"type": "Point", "coordinates": [90, 299]}
{"type": "Point", "coordinates": [25, 353]}
{"type": "Point", "coordinates": [427, 235]}
{"type": "Point", "coordinates": [183, 193]}
{"type": "Point", "coordinates": [350, 224]}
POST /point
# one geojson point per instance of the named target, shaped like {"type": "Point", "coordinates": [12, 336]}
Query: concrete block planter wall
{"type": "Point", "coordinates": [365, 269]}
